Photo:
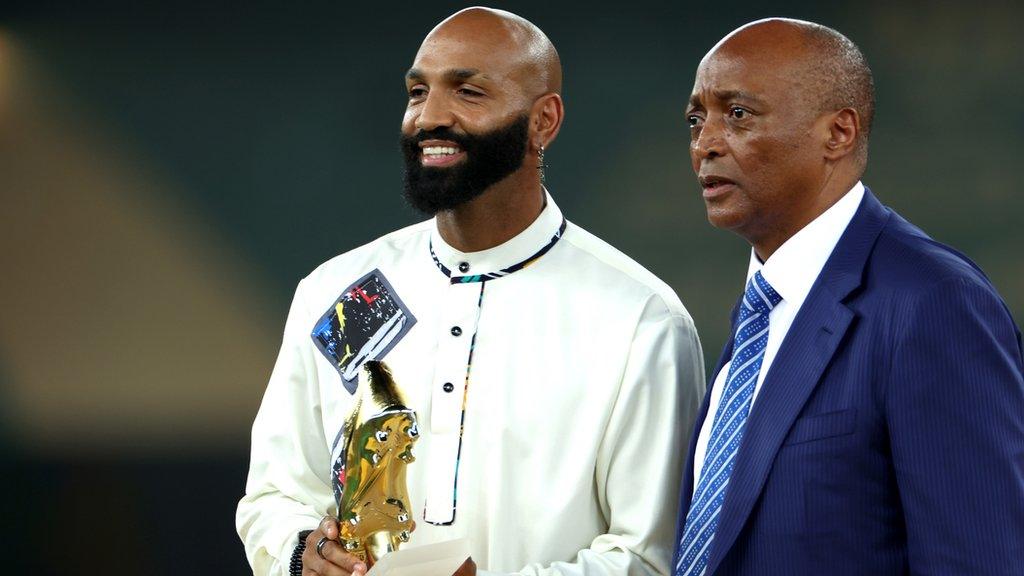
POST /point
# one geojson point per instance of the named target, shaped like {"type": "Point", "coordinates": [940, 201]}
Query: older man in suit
{"type": "Point", "coordinates": [867, 415]}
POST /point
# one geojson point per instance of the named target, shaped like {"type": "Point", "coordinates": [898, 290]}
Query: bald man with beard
{"type": "Point", "coordinates": [867, 414]}
{"type": "Point", "coordinates": [554, 379]}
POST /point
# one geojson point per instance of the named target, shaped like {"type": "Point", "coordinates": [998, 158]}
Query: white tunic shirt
{"type": "Point", "coordinates": [555, 382]}
{"type": "Point", "coordinates": [791, 271]}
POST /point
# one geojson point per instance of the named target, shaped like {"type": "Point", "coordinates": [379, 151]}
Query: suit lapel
{"type": "Point", "coordinates": [808, 347]}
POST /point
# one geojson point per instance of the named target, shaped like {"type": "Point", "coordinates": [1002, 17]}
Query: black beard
{"type": "Point", "coordinates": [490, 158]}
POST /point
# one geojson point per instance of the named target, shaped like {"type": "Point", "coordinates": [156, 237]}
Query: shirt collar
{"type": "Point", "coordinates": [514, 254]}
{"type": "Point", "coordinates": [794, 267]}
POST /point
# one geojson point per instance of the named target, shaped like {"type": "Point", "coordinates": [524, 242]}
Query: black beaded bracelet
{"type": "Point", "coordinates": [295, 566]}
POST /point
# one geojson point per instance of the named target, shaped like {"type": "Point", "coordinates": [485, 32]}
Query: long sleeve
{"type": "Point", "coordinates": [287, 489]}
{"type": "Point", "coordinates": [642, 453]}
{"type": "Point", "coordinates": [955, 406]}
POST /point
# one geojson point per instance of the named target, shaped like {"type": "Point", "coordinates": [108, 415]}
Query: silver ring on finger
{"type": "Point", "coordinates": [320, 546]}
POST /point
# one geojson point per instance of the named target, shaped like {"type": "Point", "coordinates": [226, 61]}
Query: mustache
{"type": "Point", "coordinates": [441, 133]}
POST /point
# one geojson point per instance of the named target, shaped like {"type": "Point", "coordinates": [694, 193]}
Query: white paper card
{"type": "Point", "coordinates": [438, 559]}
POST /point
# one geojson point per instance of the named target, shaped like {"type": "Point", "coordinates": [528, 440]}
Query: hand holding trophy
{"type": "Point", "coordinates": [374, 516]}
{"type": "Point", "coordinates": [380, 432]}
{"type": "Point", "coordinates": [373, 499]}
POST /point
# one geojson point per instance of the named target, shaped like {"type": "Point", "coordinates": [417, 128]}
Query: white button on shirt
{"type": "Point", "coordinates": [551, 420]}
{"type": "Point", "coordinates": [792, 271]}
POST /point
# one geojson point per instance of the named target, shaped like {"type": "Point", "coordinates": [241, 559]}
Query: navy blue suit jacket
{"type": "Point", "coordinates": [888, 435]}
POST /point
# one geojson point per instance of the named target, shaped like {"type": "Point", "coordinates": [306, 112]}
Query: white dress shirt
{"type": "Point", "coordinates": [791, 270]}
{"type": "Point", "coordinates": [553, 398]}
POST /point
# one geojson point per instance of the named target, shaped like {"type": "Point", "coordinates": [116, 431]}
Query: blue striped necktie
{"type": "Point", "coordinates": [727, 429]}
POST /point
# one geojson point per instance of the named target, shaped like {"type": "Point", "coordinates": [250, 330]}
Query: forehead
{"type": "Point", "coordinates": [442, 52]}
{"type": "Point", "coordinates": [763, 75]}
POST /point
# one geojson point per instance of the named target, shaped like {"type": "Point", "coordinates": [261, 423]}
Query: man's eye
{"type": "Point", "coordinates": [738, 113]}
{"type": "Point", "coordinates": [469, 92]}
{"type": "Point", "coordinates": [417, 93]}
{"type": "Point", "coordinates": [694, 121]}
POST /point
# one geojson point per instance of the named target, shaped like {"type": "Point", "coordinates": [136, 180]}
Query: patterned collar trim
{"type": "Point", "coordinates": [504, 271]}
{"type": "Point", "coordinates": [511, 256]}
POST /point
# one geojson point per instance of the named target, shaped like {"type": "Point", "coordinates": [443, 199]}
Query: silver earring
{"type": "Point", "coordinates": [540, 162]}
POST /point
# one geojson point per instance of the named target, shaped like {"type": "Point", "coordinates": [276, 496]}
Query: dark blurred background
{"type": "Point", "coordinates": [169, 171]}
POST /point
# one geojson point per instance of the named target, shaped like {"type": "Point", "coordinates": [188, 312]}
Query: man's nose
{"type": "Point", "coordinates": [710, 141]}
{"type": "Point", "coordinates": [435, 113]}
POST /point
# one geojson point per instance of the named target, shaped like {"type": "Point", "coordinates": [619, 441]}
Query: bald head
{"type": "Point", "coordinates": [530, 54]}
{"type": "Point", "coordinates": [828, 71]}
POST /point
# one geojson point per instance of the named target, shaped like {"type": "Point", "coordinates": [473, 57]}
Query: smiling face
{"type": "Point", "coordinates": [466, 126]}
{"type": "Point", "coordinates": [758, 141]}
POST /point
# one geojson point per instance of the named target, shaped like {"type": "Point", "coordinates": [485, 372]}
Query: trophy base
{"type": "Point", "coordinates": [431, 560]}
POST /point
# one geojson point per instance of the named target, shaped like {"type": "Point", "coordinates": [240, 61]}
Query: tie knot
{"type": "Point", "coordinates": [760, 296]}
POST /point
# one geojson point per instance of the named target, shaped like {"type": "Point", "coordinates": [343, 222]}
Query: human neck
{"type": "Point", "coordinates": [787, 225]}
{"type": "Point", "coordinates": [496, 216]}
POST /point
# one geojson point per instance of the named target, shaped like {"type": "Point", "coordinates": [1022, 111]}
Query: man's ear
{"type": "Point", "coordinates": [843, 133]}
{"type": "Point", "coordinates": [546, 117]}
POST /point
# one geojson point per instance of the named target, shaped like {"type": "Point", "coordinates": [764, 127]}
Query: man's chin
{"type": "Point", "coordinates": [430, 172]}
{"type": "Point", "coordinates": [722, 216]}
{"type": "Point", "coordinates": [432, 202]}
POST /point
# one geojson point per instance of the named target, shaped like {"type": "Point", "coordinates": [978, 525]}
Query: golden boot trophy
{"type": "Point", "coordinates": [373, 511]}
